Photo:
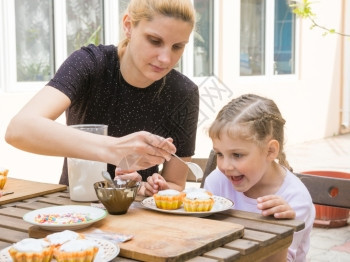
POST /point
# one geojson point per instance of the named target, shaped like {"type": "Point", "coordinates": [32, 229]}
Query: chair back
{"type": "Point", "coordinates": [326, 189]}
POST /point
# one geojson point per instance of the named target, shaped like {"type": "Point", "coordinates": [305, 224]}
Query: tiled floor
{"type": "Point", "coordinates": [327, 154]}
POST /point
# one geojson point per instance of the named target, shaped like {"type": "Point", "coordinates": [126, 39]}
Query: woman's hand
{"type": "Point", "coordinates": [141, 150]}
{"type": "Point", "coordinates": [276, 206]}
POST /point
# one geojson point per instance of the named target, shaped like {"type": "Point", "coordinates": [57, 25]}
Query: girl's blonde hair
{"type": "Point", "coordinates": [253, 118]}
{"type": "Point", "coordinates": [146, 10]}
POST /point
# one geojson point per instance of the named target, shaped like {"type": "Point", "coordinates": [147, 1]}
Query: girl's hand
{"type": "Point", "coordinates": [154, 184]}
{"type": "Point", "coordinates": [276, 206]}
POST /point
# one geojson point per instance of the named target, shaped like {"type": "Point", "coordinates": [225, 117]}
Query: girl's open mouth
{"type": "Point", "coordinates": [236, 179]}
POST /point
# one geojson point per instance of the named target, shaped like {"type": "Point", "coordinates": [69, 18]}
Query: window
{"type": "Point", "coordinates": [40, 34]}
{"type": "Point", "coordinates": [258, 54]}
{"type": "Point", "coordinates": [284, 43]}
{"type": "Point", "coordinates": [84, 23]}
{"type": "Point", "coordinates": [34, 45]}
{"type": "Point", "coordinates": [203, 39]}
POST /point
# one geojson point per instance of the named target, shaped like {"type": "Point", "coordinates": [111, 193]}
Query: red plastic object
{"type": "Point", "coordinates": [326, 216]}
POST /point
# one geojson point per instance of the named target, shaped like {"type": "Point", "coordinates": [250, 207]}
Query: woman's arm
{"type": "Point", "coordinates": [35, 130]}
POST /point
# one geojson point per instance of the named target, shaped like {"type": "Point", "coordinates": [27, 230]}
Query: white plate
{"type": "Point", "coordinates": [107, 251]}
{"type": "Point", "coordinates": [94, 213]}
{"type": "Point", "coordinates": [221, 204]}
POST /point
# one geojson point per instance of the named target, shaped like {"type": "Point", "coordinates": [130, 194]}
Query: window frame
{"type": "Point", "coordinates": [8, 71]}
{"type": "Point", "coordinates": [269, 47]}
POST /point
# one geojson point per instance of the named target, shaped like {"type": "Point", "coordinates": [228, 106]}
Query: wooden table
{"type": "Point", "coordinates": [248, 236]}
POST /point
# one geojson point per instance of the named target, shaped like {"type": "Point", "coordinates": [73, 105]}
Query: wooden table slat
{"type": "Point", "coordinates": [64, 194]}
{"type": "Point", "coordinates": [222, 254]}
{"type": "Point", "coordinates": [261, 237]}
{"type": "Point", "coordinates": [202, 259]}
{"type": "Point", "coordinates": [295, 224]}
{"type": "Point", "coordinates": [61, 201]}
{"type": "Point", "coordinates": [13, 236]}
{"type": "Point", "coordinates": [243, 246]}
{"type": "Point", "coordinates": [262, 226]}
{"type": "Point", "coordinates": [33, 205]}
{"type": "Point", "coordinates": [13, 212]}
{"type": "Point", "coordinates": [268, 250]}
{"type": "Point", "coordinates": [15, 223]}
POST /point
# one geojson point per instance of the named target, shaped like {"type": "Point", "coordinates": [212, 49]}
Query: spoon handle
{"type": "Point", "coordinates": [179, 158]}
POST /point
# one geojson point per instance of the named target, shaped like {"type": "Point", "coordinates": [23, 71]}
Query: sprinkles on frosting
{"type": "Point", "coordinates": [65, 218]}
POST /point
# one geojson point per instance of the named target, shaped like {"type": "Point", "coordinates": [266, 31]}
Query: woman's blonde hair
{"type": "Point", "coordinates": [139, 10]}
{"type": "Point", "coordinates": [253, 118]}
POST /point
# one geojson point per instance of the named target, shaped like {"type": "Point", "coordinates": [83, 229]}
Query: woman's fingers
{"type": "Point", "coordinates": [143, 150]}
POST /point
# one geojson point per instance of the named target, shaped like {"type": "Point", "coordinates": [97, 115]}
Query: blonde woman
{"type": "Point", "coordinates": [151, 109]}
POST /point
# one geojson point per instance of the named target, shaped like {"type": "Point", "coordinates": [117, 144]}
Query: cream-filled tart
{"type": "Point", "coordinates": [196, 189]}
{"type": "Point", "coordinates": [169, 199]}
{"type": "Point", "coordinates": [198, 202]}
{"type": "Point", "coordinates": [31, 250]}
{"type": "Point", "coordinates": [78, 250]}
{"type": "Point", "coordinates": [59, 238]}
{"type": "Point", "coordinates": [3, 177]}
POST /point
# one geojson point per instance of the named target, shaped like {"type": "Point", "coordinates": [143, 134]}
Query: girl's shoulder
{"type": "Point", "coordinates": [294, 188]}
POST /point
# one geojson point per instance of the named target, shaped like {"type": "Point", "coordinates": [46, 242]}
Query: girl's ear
{"type": "Point", "coordinates": [127, 25]}
{"type": "Point", "coordinates": [273, 148]}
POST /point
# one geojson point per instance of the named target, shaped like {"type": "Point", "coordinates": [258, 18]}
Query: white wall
{"type": "Point", "coordinates": [310, 102]}
{"type": "Point", "coordinates": [23, 164]}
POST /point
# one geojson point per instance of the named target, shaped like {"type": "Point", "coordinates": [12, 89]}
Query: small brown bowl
{"type": "Point", "coordinates": [116, 200]}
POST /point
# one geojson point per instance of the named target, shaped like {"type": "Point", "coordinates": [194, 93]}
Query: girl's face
{"type": "Point", "coordinates": [154, 47]}
{"type": "Point", "coordinates": [243, 163]}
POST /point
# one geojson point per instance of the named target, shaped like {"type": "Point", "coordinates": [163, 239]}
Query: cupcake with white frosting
{"type": "Point", "coordinates": [196, 189]}
{"type": "Point", "coordinates": [3, 177]}
{"type": "Point", "coordinates": [169, 199]}
{"type": "Point", "coordinates": [31, 250]}
{"type": "Point", "coordinates": [59, 238]}
{"type": "Point", "coordinates": [198, 201]}
{"type": "Point", "coordinates": [78, 250]}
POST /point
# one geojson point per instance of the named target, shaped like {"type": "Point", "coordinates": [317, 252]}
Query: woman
{"type": "Point", "coordinates": [130, 88]}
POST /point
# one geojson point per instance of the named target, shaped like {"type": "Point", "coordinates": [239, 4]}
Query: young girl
{"type": "Point", "coordinates": [253, 172]}
{"type": "Point", "coordinates": [132, 88]}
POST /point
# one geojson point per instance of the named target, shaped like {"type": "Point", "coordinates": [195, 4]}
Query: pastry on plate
{"type": "Point", "coordinates": [3, 177]}
{"type": "Point", "coordinates": [78, 250]}
{"type": "Point", "coordinates": [169, 199]}
{"type": "Point", "coordinates": [196, 189]}
{"type": "Point", "coordinates": [198, 201]}
{"type": "Point", "coordinates": [59, 238]}
{"type": "Point", "coordinates": [31, 250]}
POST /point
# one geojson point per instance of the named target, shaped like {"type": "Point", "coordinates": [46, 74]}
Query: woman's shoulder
{"type": "Point", "coordinates": [102, 49]}
{"type": "Point", "coordinates": [175, 76]}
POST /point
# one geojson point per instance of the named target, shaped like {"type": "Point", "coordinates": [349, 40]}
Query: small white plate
{"type": "Point", "coordinates": [107, 251]}
{"type": "Point", "coordinates": [95, 214]}
{"type": "Point", "coordinates": [221, 204]}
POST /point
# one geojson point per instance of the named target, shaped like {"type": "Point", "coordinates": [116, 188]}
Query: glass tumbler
{"type": "Point", "coordinates": [82, 174]}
